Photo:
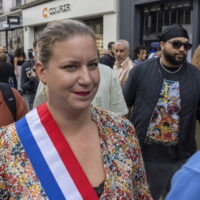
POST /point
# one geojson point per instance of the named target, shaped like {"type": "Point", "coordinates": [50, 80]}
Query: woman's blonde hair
{"type": "Point", "coordinates": [59, 31]}
{"type": "Point", "coordinates": [196, 57]}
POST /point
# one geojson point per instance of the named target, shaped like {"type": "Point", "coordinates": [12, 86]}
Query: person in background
{"type": "Point", "coordinates": [196, 62]}
{"type": "Point", "coordinates": [4, 66]}
{"type": "Point", "coordinates": [186, 181]}
{"type": "Point", "coordinates": [155, 50]}
{"type": "Point", "coordinates": [108, 58]}
{"type": "Point", "coordinates": [109, 95]}
{"type": "Point", "coordinates": [35, 49]}
{"type": "Point", "coordinates": [29, 80]}
{"type": "Point", "coordinates": [196, 57]}
{"type": "Point", "coordinates": [155, 54]}
{"type": "Point", "coordinates": [123, 63]}
{"type": "Point", "coordinates": [10, 55]}
{"type": "Point", "coordinates": [140, 54]}
{"type": "Point", "coordinates": [7, 72]}
{"type": "Point", "coordinates": [10, 58]}
{"type": "Point", "coordinates": [19, 59]}
{"type": "Point", "coordinates": [66, 148]}
{"type": "Point", "coordinates": [6, 115]}
{"type": "Point", "coordinates": [164, 94]}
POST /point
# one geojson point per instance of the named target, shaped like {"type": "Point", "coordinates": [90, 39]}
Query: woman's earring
{"type": "Point", "coordinates": [45, 91]}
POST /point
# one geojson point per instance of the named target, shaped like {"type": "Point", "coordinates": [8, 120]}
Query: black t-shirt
{"type": "Point", "coordinates": [161, 151]}
{"type": "Point", "coordinates": [141, 92]}
{"type": "Point", "coordinates": [164, 151]}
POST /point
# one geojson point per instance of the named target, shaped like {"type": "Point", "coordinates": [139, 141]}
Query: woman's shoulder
{"type": "Point", "coordinates": [110, 116]}
{"type": "Point", "coordinates": [3, 131]}
{"type": "Point", "coordinates": [8, 137]}
{"type": "Point", "coordinates": [113, 123]}
{"type": "Point", "coordinates": [117, 132]}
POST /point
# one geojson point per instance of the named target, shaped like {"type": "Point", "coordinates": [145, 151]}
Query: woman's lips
{"type": "Point", "coordinates": [82, 93]}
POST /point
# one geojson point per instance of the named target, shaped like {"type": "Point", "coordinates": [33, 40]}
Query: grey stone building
{"type": "Point", "coordinates": [141, 21]}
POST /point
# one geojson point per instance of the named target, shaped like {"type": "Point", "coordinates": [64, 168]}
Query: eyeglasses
{"type": "Point", "coordinates": [176, 44]}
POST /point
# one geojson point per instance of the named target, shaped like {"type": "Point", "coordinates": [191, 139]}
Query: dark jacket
{"type": "Point", "coordinates": [4, 72]}
{"type": "Point", "coordinates": [7, 74]}
{"type": "Point", "coordinates": [29, 84]}
{"type": "Point", "coordinates": [142, 91]}
{"type": "Point", "coordinates": [107, 59]}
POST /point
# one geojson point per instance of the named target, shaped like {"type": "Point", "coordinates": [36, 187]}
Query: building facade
{"type": "Point", "coordinates": [11, 29]}
{"type": "Point", "coordinates": [141, 21]}
{"type": "Point", "coordinates": [138, 21]}
{"type": "Point", "coordinates": [101, 16]}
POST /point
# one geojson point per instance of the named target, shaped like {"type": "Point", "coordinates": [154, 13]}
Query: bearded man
{"type": "Point", "coordinates": [164, 97]}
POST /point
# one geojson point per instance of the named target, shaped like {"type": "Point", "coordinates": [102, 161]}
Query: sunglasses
{"type": "Point", "coordinates": [176, 44]}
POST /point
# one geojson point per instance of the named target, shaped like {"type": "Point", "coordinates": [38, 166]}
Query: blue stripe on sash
{"type": "Point", "coordinates": [39, 164]}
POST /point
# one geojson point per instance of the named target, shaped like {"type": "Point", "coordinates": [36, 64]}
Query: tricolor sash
{"type": "Point", "coordinates": [54, 162]}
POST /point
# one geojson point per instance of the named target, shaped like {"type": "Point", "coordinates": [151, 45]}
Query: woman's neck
{"type": "Point", "coordinates": [70, 122]}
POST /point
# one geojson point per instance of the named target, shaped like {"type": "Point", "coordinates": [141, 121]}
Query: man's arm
{"type": "Point", "coordinates": [130, 88]}
{"type": "Point", "coordinates": [118, 104]}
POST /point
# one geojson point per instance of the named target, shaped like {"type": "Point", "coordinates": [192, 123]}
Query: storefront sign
{"type": "Point", "coordinates": [46, 12]}
{"type": "Point", "coordinates": [13, 20]}
{"type": "Point", "coordinates": [66, 9]}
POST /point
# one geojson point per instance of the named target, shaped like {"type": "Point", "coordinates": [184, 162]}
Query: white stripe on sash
{"type": "Point", "coordinates": [52, 157]}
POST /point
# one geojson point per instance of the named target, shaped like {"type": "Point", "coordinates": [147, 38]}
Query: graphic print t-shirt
{"type": "Point", "coordinates": [164, 125]}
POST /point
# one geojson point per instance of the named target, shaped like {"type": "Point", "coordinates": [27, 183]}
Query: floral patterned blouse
{"type": "Point", "coordinates": [123, 164]}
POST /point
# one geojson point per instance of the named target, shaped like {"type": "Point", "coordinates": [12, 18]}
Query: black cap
{"type": "Point", "coordinates": [173, 31]}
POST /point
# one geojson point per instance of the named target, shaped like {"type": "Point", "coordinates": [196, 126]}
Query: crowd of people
{"type": "Point", "coordinates": [99, 127]}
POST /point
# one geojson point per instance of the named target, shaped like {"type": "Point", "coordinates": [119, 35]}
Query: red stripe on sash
{"type": "Point", "coordinates": [71, 163]}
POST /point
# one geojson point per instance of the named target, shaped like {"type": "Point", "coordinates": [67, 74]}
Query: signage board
{"type": "Point", "coordinates": [13, 20]}
{"type": "Point", "coordinates": [67, 9]}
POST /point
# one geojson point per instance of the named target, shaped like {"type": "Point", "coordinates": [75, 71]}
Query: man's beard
{"type": "Point", "coordinates": [172, 58]}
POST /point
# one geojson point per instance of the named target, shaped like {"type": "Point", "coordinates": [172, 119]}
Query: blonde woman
{"type": "Point", "coordinates": [65, 148]}
{"type": "Point", "coordinates": [19, 59]}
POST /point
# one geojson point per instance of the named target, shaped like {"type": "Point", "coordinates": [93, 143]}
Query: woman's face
{"type": "Point", "coordinates": [72, 74]}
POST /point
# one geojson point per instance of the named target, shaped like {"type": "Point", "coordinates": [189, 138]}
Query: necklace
{"type": "Point", "coordinates": [171, 72]}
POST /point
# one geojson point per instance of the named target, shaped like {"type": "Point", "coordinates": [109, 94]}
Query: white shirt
{"type": "Point", "coordinates": [109, 95]}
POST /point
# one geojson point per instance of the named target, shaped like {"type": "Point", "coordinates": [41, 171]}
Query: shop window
{"type": "Point", "coordinates": [156, 17]}
{"type": "Point", "coordinates": [180, 16]}
{"type": "Point", "coordinates": [28, 1]}
{"type": "Point", "coordinates": [160, 22]}
{"type": "Point", "coordinates": [1, 5]}
{"type": "Point", "coordinates": [2, 38]}
{"type": "Point", "coordinates": [15, 38]}
{"type": "Point", "coordinates": [153, 21]}
{"type": "Point", "coordinates": [173, 19]}
{"type": "Point", "coordinates": [187, 16]}
{"type": "Point", "coordinates": [96, 25]}
{"type": "Point", "coordinates": [166, 17]}
{"type": "Point", "coordinates": [146, 26]}
{"type": "Point", "coordinates": [18, 3]}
